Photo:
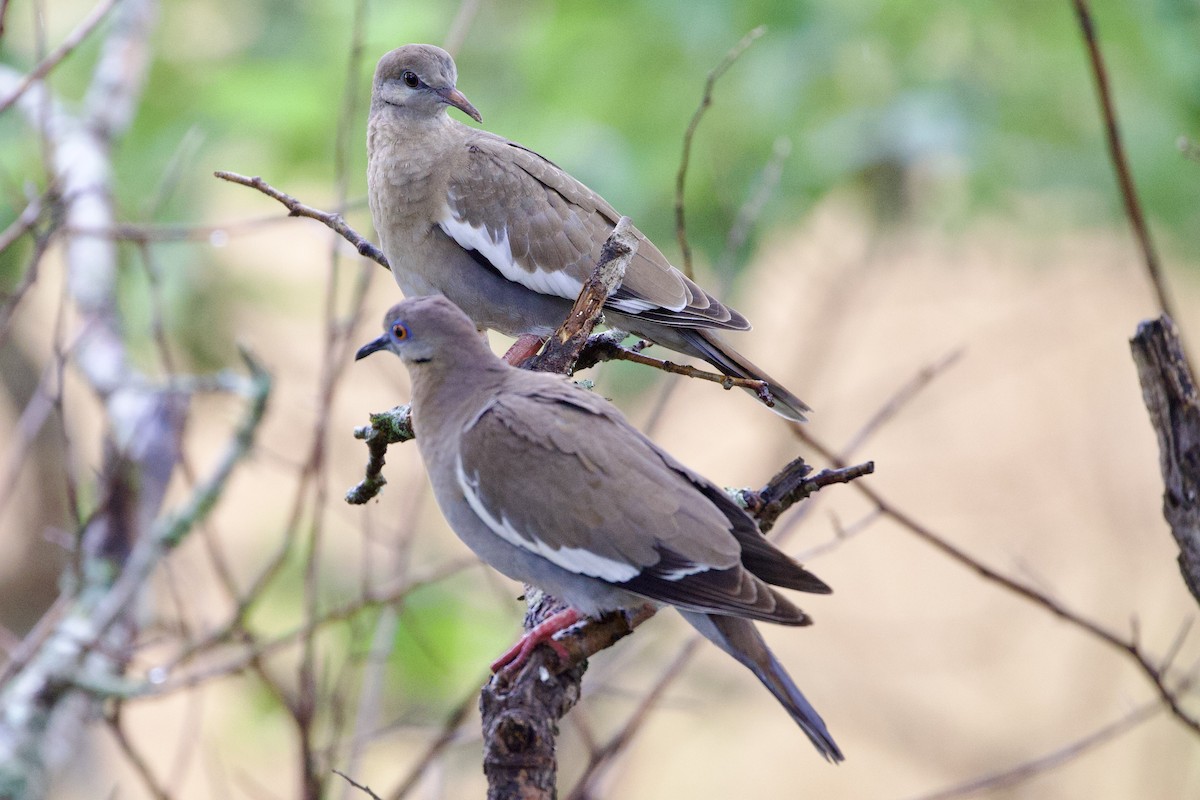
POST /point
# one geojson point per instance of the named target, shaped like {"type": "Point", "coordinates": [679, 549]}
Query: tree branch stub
{"type": "Point", "coordinates": [1169, 391]}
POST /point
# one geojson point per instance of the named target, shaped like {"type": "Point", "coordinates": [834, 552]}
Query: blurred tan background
{"type": "Point", "coordinates": [1032, 451]}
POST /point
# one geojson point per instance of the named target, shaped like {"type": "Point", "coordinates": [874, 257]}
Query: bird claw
{"type": "Point", "coordinates": [524, 348]}
{"type": "Point", "coordinates": [543, 633]}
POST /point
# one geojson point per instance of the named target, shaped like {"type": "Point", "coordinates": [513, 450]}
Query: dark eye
{"type": "Point", "coordinates": [410, 79]}
{"type": "Point", "coordinates": [400, 331]}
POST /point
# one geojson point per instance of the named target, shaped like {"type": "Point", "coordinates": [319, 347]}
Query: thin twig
{"type": "Point", "coordinates": [361, 787]}
{"type": "Point", "coordinates": [297, 209]}
{"type": "Point", "coordinates": [216, 234]}
{"type": "Point", "coordinates": [603, 348]}
{"type": "Point", "coordinates": [608, 752]}
{"type": "Point", "coordinates": [258, 650]}
{"type": "Point", "coordinates": [1120, 162]}
{"type": "Point", "coordinates": [64, 49]}
{"type": "Point", "coordinates": [1131, 649]}
{"type": "Point", "coordinates": [437, 746]}
{"type": "Point", "coordinates": [22, 224]}
{"type": "Point", "coordinates": [134, 757]}
{"type": "Point", "coordinates": [710, 83]}
{"type": "Point", "coordinates": [1045, 763]}
{"type": "Point", "coordinates": [752, 209]}
{"type": "Point", "coordinates": [902, 397]}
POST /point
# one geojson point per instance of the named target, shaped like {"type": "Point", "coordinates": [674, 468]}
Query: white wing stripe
{"type": "Point", "coordinates": [499, 252]}
{"type": "Point", "coordinates": [572, 559]}
{"type": "Point", "coordinates": [683, 572]}
{"type": "Point", "coordinates": [634, 306]}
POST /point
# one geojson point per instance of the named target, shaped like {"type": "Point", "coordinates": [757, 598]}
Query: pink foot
{"type": "Point", "coordinates": [542, 633]}
{"type": "Point", "coordinates": [526, 346]}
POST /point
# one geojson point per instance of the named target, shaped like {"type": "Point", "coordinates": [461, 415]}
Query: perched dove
{"type": "Point", "coordinates": [548, 483]}
{"type": "Point", "coordinates": [510, 237]}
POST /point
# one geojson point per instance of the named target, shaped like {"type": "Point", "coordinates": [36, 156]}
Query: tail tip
{"type": "Point", "coordinates": [784, 403]}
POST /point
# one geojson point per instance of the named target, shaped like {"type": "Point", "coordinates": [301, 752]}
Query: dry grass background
{"type": "Point", "coordinates": [1032, 452]}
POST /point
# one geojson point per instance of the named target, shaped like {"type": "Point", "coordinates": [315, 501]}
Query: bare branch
{"type": "Point", "coordinates": [791, 485]}
{"type": "Point", "coordinates": [602, 757]}
{"type": "Point", "coordinates": [1154, 674]}
{"type": "Point", "coordinates": [54, 58]}
{"type": "Point", "coordinates": [752, 209]}
{"type": "Point", "coordinates": [364, 789]}
{"type": "Point", "coordinates": [1120, 162]}
{"type": "Point", "coordinates": [608, 348]}
{"type": "Point", "coordinates": [1057, 758]}
{"type": "Point", "coordinates": [436, 747]}
{"type": "Point", "coordinates": [297, 209]}
{"type": "Point", "coordinates": [910, 389]}
{"type": "Point", "coordinates": [710, 83]}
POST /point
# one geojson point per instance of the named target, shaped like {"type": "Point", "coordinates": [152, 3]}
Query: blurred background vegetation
{"type": "Point", "coordinates": [930, 113]}
{"type": "Point", "coordinates": [936, 118]}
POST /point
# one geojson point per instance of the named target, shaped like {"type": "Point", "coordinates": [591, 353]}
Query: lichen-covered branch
{"type": "Point", "coordinates": [385, 428]}
{"type": "Point", "coordinates": [81, 658]}
{"type": "Point", "coordinates": [77, 657]}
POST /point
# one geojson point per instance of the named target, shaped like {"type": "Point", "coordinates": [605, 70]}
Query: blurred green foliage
{"type": "Point", "coordinates": [934, 112]}
{"type": "Point", "coordinates": [444, 634]}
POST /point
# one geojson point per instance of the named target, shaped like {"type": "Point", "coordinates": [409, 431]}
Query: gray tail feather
{"type": "Point", "coordinates": [741, 639]}
{"type": "Point", "coordinates": [705, 344]}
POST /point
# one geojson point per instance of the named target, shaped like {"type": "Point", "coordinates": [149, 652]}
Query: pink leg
{"type": "Point", "coordinates": [543, 633]}
{"type": "Point", "coordinates": [524, 347]}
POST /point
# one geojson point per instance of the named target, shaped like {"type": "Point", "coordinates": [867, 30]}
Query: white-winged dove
{"type": "Point", "coordinates": [509, 236]}
{"type": "Point", "coordinates": [548, 483]}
